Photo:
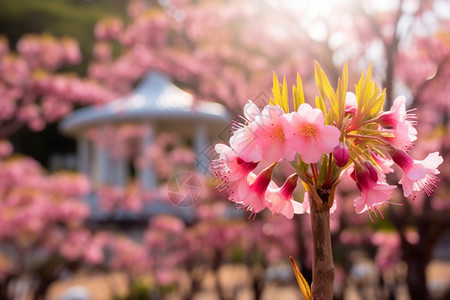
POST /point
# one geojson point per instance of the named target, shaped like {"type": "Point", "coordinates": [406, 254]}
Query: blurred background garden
{"type": "Point", "coordinates": [109, 112]}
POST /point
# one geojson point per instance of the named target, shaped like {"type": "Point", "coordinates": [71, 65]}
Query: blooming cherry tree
{"type": "Point", "coordinates": [42, 232]}
{"type": "Point", "coordinates": [33, 91]}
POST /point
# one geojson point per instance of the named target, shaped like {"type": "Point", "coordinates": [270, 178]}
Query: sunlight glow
{"type": "Point", "coordinates": [313, 14]}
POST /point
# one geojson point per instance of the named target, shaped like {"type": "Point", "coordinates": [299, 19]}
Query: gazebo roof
{"type": "Point", "coordinates": [155, 100]}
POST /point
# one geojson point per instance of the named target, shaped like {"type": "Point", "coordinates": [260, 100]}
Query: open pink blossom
{"type": "Point", "coordinates": [417, 174]}
{"type": "Point", "coordinates": [374, 189]}
{"type": "Point", "coordinates": [397, 114]}
{"type": "Point", "coordinates": [306, 133]}
{"type": "Point", "coordinates": [229, 167]}
{"type": "Point", "coordinates": [244, 140]}
{"type": "Point", "coordinates": [404, 136]}
{"type": "Point", "coordinates": [373, 196]}
{"type": "Point", "coordinates": [282, 200]}
{"type": "Point", "coordinates": [401, 122]}
{"type": "Point", "coordinates": [271, 139]}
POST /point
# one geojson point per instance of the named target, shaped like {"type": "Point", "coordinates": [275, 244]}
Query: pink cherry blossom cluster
{"type": "Point", "coordinates": [48, 52]}
{"type": "Point", "coordinates": [161, 255]}
{"type": "Point", "coordinates": [389, 247]}
{"type": "Point", "coordinates": [351, 132]}
{"type": "Point", "coordinates": [42, 223]}
{"type": "Point", "coordinates": [270, 135]}
{"type": "Point", "coordinates": [172, 247]}
{"type": "Point", "coordinates": [32, 91]}
{"type": "Point", "coordinates": [130, 198]}
{"type": "Point", "coordinates": [82, 245]}
{"type": "Point", "coordinates": [128, 255]}
{"type": "Point", "coordinates": [108, 28]}
{"type": "Point", "coordinates": [33, 202]}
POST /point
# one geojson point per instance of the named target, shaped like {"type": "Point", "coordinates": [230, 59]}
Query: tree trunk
{"type": "Point", "coordinates": [41, 291]}
{"type": "Point", "coordinates": [4, 284]}
{"type": "Point", "coordinates": [217, 261]}
{"type": "Point", "coordinates": [416, 276]}
{"type": "Point", "coordinates": [323, 267]}
{"type": "Point", "coordinates": [257, 282]}
{"type": "Point", "coordinates": [196, 281]}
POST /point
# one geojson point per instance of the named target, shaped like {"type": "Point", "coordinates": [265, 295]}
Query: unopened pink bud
{"type": "Point", "coordinates": [341, 154]}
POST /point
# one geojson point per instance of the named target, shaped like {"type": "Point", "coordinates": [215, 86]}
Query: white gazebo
{"type": "Point", "coordinates": [160, 106]}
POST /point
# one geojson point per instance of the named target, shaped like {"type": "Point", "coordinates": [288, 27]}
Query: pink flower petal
{"type": "Point", "coordinates": [416, 172]}
{"type": "Point", "coordinates": [251, 111]}
{"type": "Point", "coordinates": [299, 208]}
{"type": "Point", "coordinates": [432, 161]}
{"type": "Point", "coordinates": [329, 138]}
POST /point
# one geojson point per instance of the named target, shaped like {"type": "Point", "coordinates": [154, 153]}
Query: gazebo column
{"type": "Point", "coordinates": [83, 155]}
{"type": "Point", "coordinates": [146, 175]}
{"type": "Point", "coordinates": [101, 165]}
{"type": "Point", "coordinates": [200, 144]}
{"type": "Point", "coordinates": [119, 171]}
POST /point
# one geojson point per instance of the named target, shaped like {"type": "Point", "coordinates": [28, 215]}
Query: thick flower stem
{"type": "Point", "coordinates": [323, 267]}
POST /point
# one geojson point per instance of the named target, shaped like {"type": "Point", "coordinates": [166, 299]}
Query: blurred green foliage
{"type": "Point", "coordinates": [75, 18]}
